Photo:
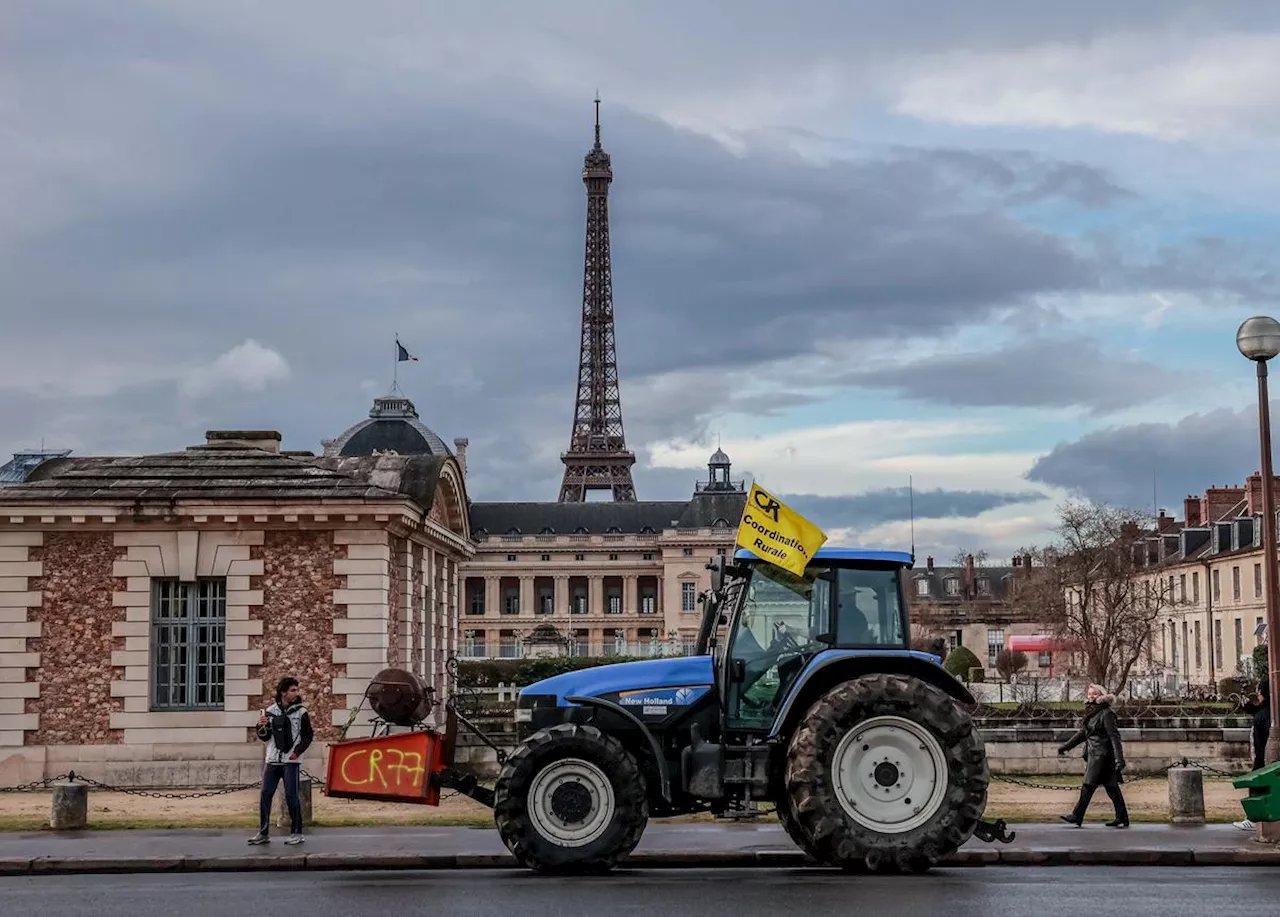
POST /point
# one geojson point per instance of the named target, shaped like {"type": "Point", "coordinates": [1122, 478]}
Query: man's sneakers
{"type": "Point", "coordinates": [1245, 825]}
{"type": "Point", "coordinates": [292, 840]}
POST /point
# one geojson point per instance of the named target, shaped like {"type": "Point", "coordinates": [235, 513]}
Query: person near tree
{"type": "Point", "coordinates": [1104, 757]}
{"type": "Point", "coordinates": [286, 728]}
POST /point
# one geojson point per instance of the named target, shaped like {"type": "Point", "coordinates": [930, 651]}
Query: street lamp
{"type": "Point", "coordinates": [1259, 340]}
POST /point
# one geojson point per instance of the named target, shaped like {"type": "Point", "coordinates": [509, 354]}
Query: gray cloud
{"type": "Point", "coordinates": [894, 504]}
{"type": "Point", "coordinates": [1121, 464]}
{"type": "Point", "coordinates": [1031, 372]}
{"type": "Point", "coordinates": [180, 178]}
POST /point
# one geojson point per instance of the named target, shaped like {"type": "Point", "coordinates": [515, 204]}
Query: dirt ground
{"type": "Point", "coordinates": [1148, 802]}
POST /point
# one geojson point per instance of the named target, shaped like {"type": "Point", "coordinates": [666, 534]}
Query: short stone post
{"type": "Point", "coordinates": [304, 797]}
{"type": "Point", "coordinates": [70, 806]}
{"type": "Point", "coordinates": [1186, 795]}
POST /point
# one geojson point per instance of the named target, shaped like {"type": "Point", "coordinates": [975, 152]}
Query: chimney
{"type": "Point", "coordinates": [1191, 511]}
{"type": "Point", "coordinates": [266, 440]}
{"type": "Point", "coordinates": [1026, 561]}
{"type": "Point", "coordinates": [928, 563]}
{"type": "Point", "coordinates": [460, 450]}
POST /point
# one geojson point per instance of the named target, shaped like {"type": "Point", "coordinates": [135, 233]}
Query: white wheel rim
{"type": "Point", "coordinates": [890, 774]}
{"type": "Point", "coordinates": [576, 780]}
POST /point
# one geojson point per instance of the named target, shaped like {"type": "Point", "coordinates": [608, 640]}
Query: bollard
{"type": "Point", "coordinates": [304, 797]}
{"type": "Point", "coordinates": [1186, 795]}
{"type": "Point", "coordinates": [70, 806]}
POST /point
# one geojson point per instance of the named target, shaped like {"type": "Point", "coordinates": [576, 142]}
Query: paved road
{"type": "Point", "coordinates": [991, 892]}
{"type": "Point", "coordinates": [658, 838]}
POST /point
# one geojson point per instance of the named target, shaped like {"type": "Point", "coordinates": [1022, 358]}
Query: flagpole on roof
{"type": "Point", "coordinates": [395, 367]}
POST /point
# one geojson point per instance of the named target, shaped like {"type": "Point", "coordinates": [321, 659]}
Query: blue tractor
{"type": "Point", "coordinates": [803, 692]}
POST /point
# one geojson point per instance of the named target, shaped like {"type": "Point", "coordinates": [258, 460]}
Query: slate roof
{"type": "Point", "coordinates": [392, 425]}
{"type": "Point", "coordinates": [1000, 578]}
{"type": "Point", "coordinates": [243, 474]}
{"type": "Point", "coordinates": [601, 518]}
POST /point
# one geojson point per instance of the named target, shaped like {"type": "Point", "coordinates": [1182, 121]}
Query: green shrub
{"type": "Point", "coordinates": [977, 674]}
{"type": "Point", "coordinates": [488, 673]}
{"type": "Point", "coordinates": [1228, 686]}
{"type": "Point", "coordinates": [959, 661]}
{"type": "Point", "coordinates": [1260, 662]}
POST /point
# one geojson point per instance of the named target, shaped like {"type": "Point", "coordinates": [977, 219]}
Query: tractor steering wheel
{"type": "Point", "coordinates": [783, 641]}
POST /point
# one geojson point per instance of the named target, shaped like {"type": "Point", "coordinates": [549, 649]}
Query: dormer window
{"type": "Point", "coordinates": [614, 530]}
{"type": "Point", "coordinates": [984, 586]}
{"type": "Point", "coordinates": [922, 587]}
{"type": "Point", "coordinates": [580, 530]}
{"type": "Point", "coordinates": [547, 530]}
{"type": "Point", "coordinates": [513, 530]}
{"type": "Point", "coordinates": [953, 586]}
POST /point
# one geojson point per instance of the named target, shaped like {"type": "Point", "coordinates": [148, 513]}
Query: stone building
{"type": "Point", "coordinates": [149, 603]}
{"type": "Point", "coordinates": [608, 578]}
{"type": "Point", "coordinates": [971, 606]}
{"type": "Point", "coordinates": [1205, 570]}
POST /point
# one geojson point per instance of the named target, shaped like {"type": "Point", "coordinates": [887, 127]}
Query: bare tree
{"type": "Point", "coordinates": [1090, 585]}
{"type": "Point", "coordinates": [979, 558]}
{"type": "Point", "coordinates": [1010, 662]}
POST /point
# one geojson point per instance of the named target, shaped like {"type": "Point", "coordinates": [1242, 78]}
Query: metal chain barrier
{"type": "Point", "coordinates": [1072, 788]}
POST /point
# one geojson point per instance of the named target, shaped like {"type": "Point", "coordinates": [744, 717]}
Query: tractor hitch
{"type": "Point", "coordinates": [990, 832]}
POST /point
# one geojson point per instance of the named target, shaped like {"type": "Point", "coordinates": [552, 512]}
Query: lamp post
{"type": "Point", "coordinates": [1259, 340]}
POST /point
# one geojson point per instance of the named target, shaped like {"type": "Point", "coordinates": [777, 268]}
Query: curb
{"type": "Point", "coordinates": [769, 859]}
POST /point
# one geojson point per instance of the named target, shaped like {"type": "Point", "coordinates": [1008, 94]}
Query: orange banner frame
{"type": "Point", "coordinates": [390, 768]}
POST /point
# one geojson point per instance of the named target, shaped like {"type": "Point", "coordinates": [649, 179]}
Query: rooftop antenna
{"type": "Point", "coordinates": [911, 497]}
{"type": "Point", "coordinates": [597, 117]}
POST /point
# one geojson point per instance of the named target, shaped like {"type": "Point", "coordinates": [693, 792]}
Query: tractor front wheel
{"type": "Point", "coordinates": [886, 773]}
{"type": "Point", "coordinates": [571, 799]}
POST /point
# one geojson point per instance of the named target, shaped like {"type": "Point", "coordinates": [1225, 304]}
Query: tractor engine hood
{"type": "Point", "coordinates": [622, 679]}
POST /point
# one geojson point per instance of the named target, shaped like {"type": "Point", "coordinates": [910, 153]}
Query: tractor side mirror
{"type": "Point", "coordinates": [717, 566]}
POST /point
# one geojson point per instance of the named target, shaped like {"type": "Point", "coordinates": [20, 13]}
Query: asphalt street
{"type": "Point", "coordinates": [990, 892]}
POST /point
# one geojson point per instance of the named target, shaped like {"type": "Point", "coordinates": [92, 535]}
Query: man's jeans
{"type": "Point", "coordinates": [272, 774]}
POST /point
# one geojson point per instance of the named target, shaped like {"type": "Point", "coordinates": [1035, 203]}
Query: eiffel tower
{"type": "Point", "coordinates": [597, 458]}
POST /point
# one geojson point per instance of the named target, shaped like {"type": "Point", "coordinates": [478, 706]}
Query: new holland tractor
{"type": "Point", "coordinates": [802, 692]}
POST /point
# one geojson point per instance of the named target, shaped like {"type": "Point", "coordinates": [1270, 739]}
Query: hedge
{"type": "Point", "coordinates": [487, 673]}
{"type": "Point", "coordinates": [960, 661]}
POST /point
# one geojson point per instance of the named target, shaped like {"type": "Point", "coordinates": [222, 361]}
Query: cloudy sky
{"type": "Point", "coordinates": [997, 248]}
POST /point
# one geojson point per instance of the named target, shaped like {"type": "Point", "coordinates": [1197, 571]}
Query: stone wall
{"type": "Point", "coordinates": [298, 611]}
{"type": "Point", "coordinates": [76, 641]}
{"type": "Point", "coordinates": [19, 606]}
{"type": "Point", "coordinates": [1022, 749]}
{"type": "Point", "coordinates": [395, 600]}
{"type": "Point", "coordinates": [416, 609]}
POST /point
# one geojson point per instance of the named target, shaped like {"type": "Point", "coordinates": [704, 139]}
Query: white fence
{"type": "Point", "coordinates": [516, 649]}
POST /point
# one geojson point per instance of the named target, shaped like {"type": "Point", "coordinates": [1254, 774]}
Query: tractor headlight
{"type": "Point", "coordinates": [524, 714]}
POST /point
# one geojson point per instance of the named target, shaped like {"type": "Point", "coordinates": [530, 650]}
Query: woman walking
{"type": "Point", "coordinates": [1104, 757]}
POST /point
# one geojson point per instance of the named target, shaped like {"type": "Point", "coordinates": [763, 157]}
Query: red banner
{"type": "Point", "coordinates": [393, 768]}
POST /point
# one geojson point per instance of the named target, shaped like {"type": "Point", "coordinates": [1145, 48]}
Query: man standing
{"type": "Point", "coordinates": [286, 728]}
{"type": "Point", "coordinates": [1260, 708]}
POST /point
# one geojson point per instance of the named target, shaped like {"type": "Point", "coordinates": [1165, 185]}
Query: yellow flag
{"type": "Point", "coordinates": [777, 533]}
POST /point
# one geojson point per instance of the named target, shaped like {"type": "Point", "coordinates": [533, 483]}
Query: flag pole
{"type": "Point", "coordinates": [395, 366]}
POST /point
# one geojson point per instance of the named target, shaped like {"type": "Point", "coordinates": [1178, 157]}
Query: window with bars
{"type": "Point", "coordinates": [188, 644]}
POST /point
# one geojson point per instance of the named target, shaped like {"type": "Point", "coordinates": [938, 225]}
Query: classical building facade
{"type": "Point", "coordinates": [1205, 571]}
{"type": "Point", "coordinates": [148, 604]}
{"type": "Point", "coordinates": [596, 579]}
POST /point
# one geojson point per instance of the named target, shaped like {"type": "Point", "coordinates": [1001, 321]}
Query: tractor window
{"type": "Point", "coordinates": [783, 621]}
{"type": "Point", "coordinates": [868, 608]}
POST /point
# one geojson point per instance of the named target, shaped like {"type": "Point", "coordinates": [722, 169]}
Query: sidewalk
{"type": "Point", "coordinates": [663, 845]}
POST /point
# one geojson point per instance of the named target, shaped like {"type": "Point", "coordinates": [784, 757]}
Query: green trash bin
{"type": "Point", "coordinates": [1263, 801]}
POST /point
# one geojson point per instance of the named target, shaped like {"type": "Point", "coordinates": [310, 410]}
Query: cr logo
{"type": "Point", "coordinates": [768, 504]}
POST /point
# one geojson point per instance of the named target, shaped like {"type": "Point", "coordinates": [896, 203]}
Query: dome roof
{"type": "Point", "coordinates": [392, 426]}
{"type": "Point", "coordinates": [719, 458]}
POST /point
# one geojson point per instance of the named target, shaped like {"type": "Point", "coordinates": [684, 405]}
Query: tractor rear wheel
{"type": "Point", "coordinates": [885, 773]}
{"type": "Point", "coordinates": [570, 799]}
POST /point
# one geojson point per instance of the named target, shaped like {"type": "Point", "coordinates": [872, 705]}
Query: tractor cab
{"type": "Point", "coordinates": [766, 626]}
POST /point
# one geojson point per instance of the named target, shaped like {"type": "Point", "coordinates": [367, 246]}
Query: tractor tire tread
{"type": "Point", "coordinates": [511, 812]}
{"type": "Point", "coordinates": [829, 835]}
